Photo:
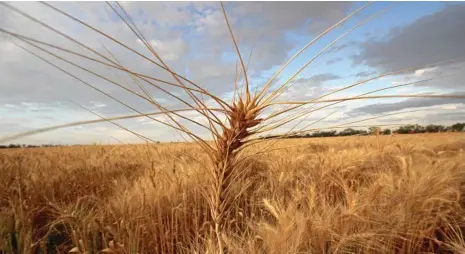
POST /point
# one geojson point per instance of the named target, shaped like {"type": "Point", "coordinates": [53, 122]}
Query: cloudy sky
{"type": "Point", "coordinates": [193, 39]}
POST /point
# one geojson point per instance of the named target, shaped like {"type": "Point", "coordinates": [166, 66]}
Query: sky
{"type": "Point", "coordinates": [193, 39]}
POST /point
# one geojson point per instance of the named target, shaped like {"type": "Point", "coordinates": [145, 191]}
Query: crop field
{"type": "Point", "coordinates": [359, 194]}
{"type": "Point", "coordinates": [269, 99]}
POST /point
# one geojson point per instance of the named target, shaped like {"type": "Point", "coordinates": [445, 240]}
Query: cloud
{"type": "Point", "coordinates": [334, 60]}
{"type": "Point", "coordinates": [441, 78]}
{"type": "Point", "coordinates": [452, 77]}
{"type": "Point", "coordinates": [170, 50]}
{"type": "Point", "coordinates": [339, 48]}
{"type": "Point", "coordinates": [451, 117]}
{"type": "Point", "coordinates": [191, 37]}
{"type": "Point", "coordinates": [433, 38]}
{"type": "Point", "coordinates": [431, 115]}
{"type": "Point", "coordinates": [405, 104]}
{"type": "Point", "coordinates": [364, 74]}
{"type": "Point", "coordinates": [306, 88]}
{"type": "Point", "coordinates": [320, 78]}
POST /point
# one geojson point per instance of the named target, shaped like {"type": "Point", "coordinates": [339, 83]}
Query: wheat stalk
{"type": "Point", "coordinates": [244, 115]}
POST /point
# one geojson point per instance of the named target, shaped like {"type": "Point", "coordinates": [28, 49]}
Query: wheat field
{"type": "Point", "coordinates": [359, 194]}
{"type": "Point", "coordinates": [233, 191]}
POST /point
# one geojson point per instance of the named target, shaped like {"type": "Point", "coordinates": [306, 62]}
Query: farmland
{"type": "Point", "coordinates": [370, 194]}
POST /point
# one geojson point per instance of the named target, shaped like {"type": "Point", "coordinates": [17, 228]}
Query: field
{"type": "Point", "coordinates": [386, 194]}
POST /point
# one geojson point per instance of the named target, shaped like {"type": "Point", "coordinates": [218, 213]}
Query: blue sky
{"type": "Point", "coordinates": [192, 38]}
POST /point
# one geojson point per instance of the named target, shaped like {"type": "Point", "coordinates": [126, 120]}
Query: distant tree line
{"type": "Point", "coordinates": [430, 128]}
{"type": "Point", "coordinates": [407, 129]}
{"type": "Point", "coordinates": [27, 146]}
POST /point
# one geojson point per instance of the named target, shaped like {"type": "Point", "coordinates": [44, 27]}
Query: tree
{"type": "Point", "coordinates": [419, 129]}
{"type": "Point", "coordinates": [374, 130]}
{"type": "Point", "coordinates": [406, 129]}
{"type": "Point", "coordinates": [458, 127]}
{"type": "Point", "coordinates": [434, 128]}
{"type": "Point", "coordinates": [386, 132]}
{"type": "Point", "coordinates": [324, 134]}
{"type": "Point", "coordinates": [348, 132]}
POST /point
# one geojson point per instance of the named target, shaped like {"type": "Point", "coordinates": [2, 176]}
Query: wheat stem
{"type": "Point", "coordinates": [371, 97]}
{"type": "Point", "coordinates": [277, 91]}
{"type": "Point", "coordinates": [268, 83]}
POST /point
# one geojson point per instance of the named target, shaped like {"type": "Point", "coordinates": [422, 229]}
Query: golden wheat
{"type": "Point", "coordinates": [323, 195]}
{"type": "Point", "coordinates": [103, 203]}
